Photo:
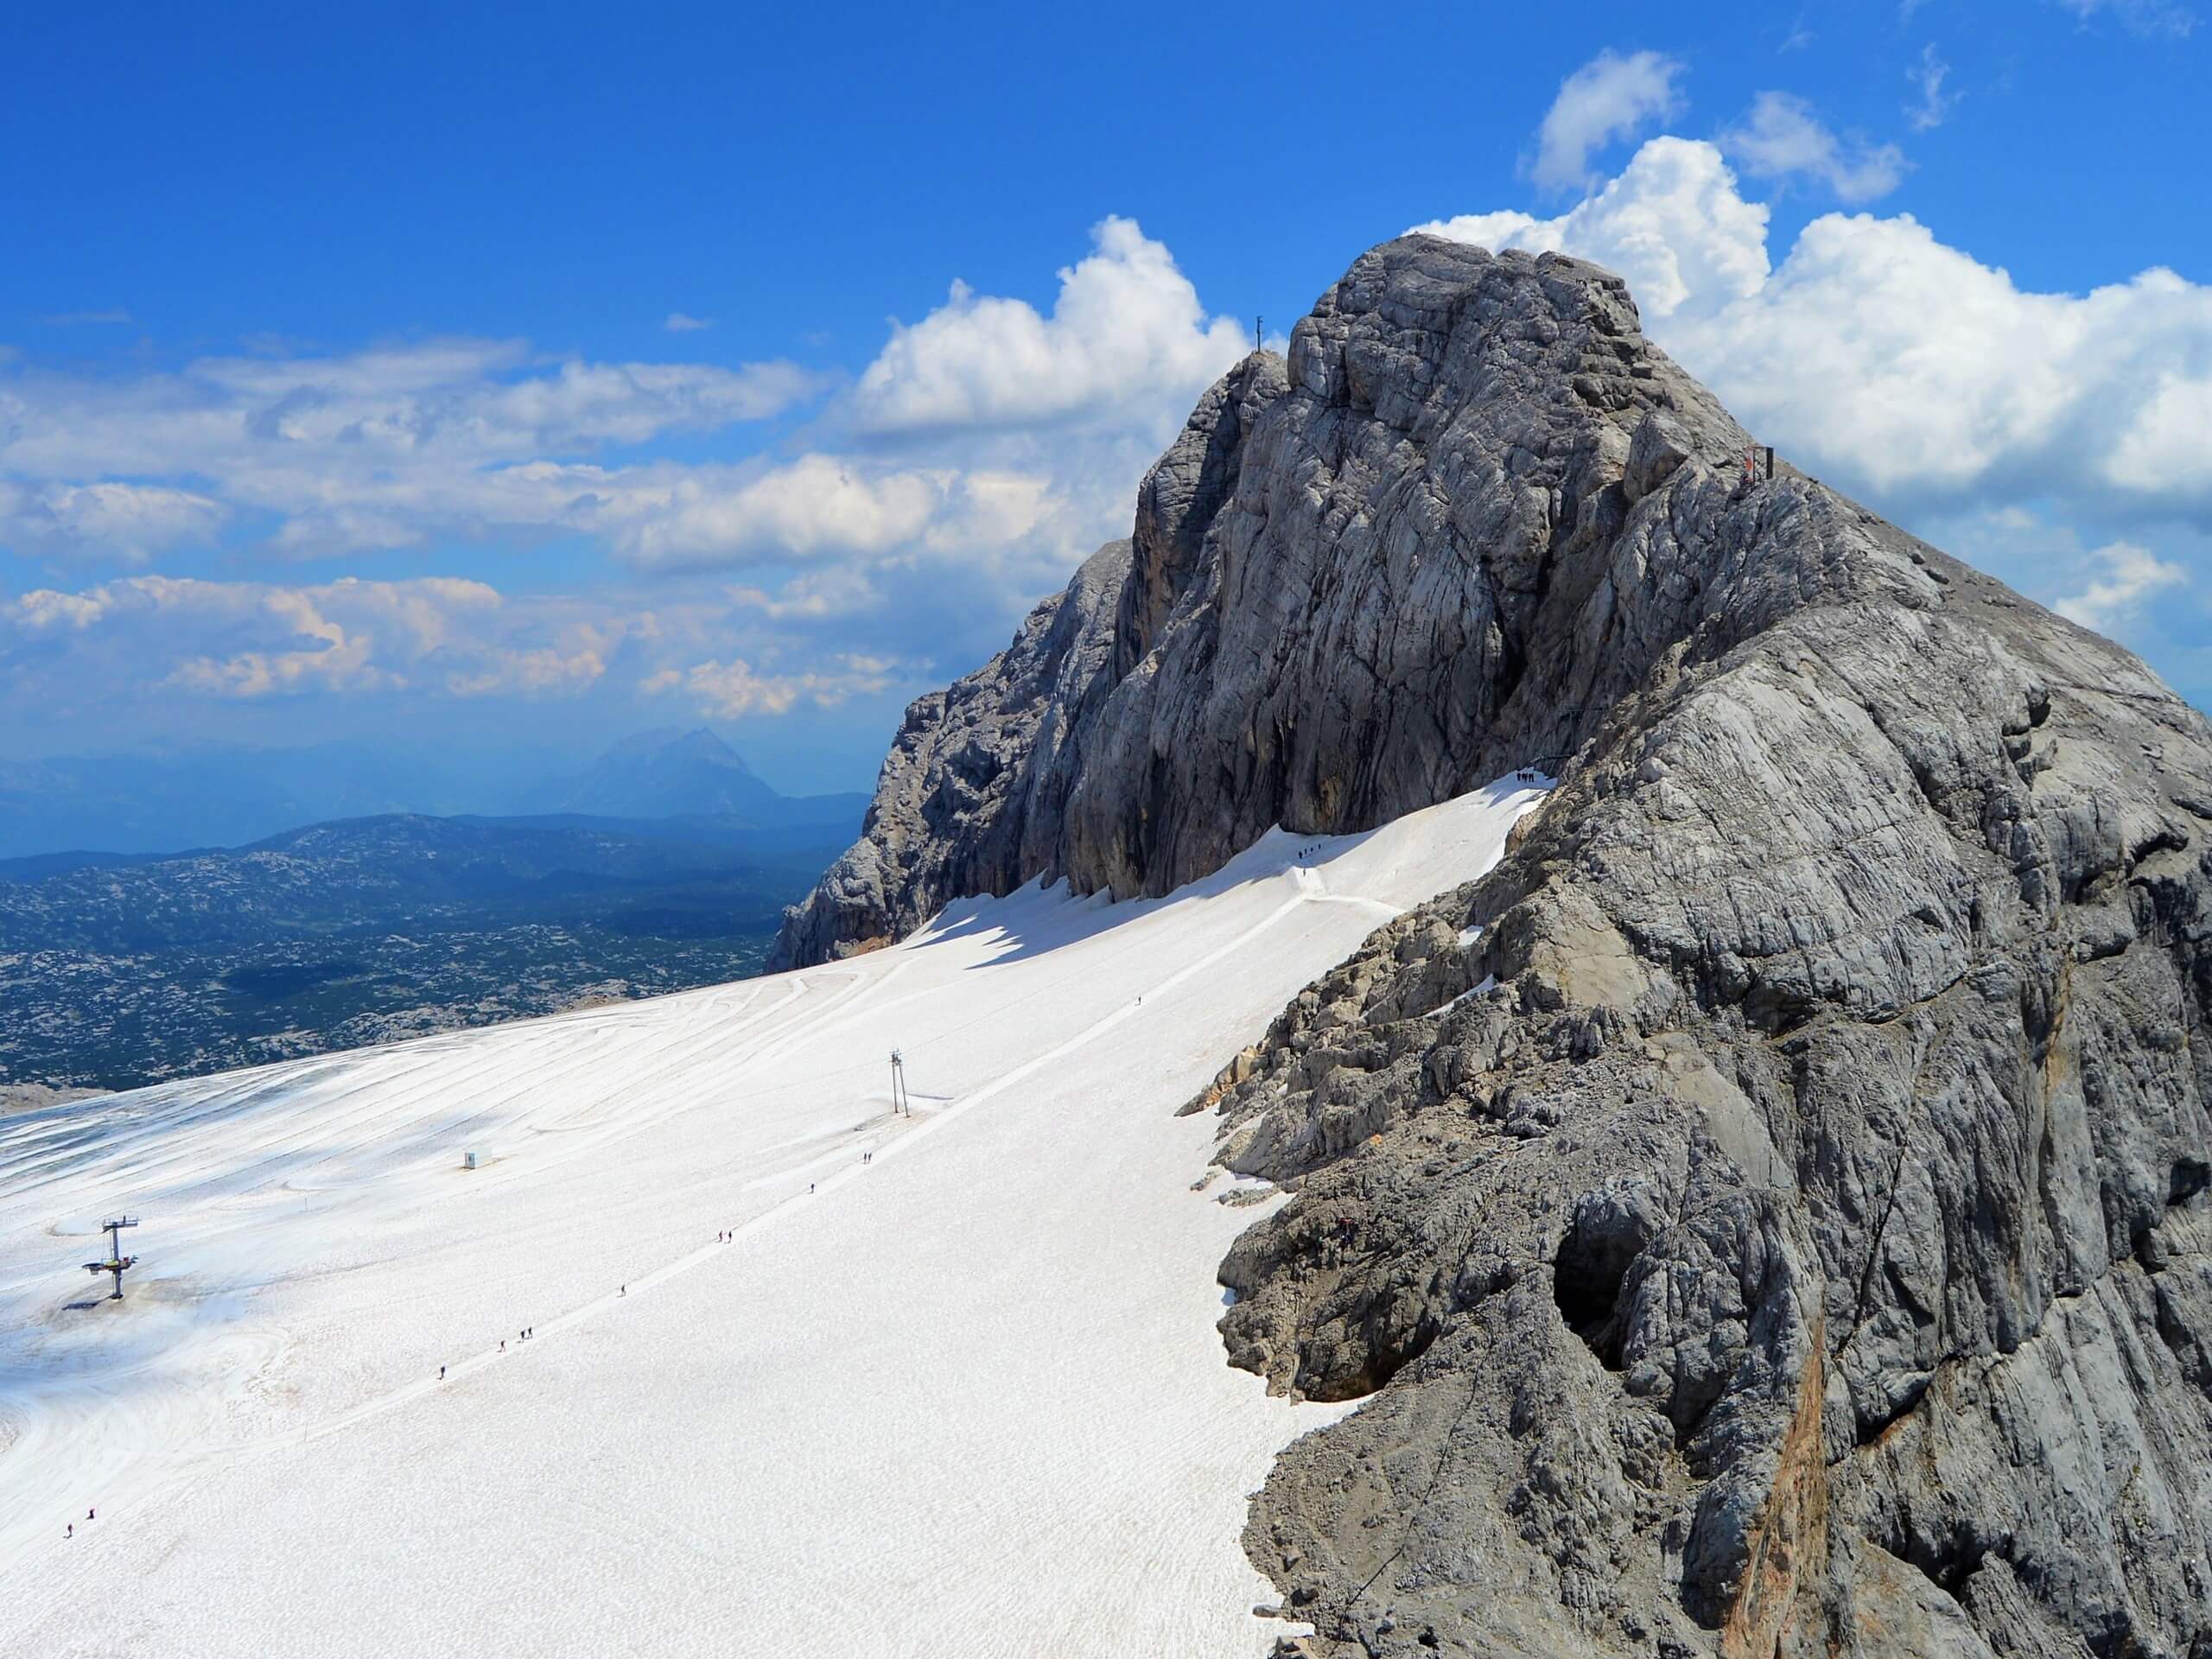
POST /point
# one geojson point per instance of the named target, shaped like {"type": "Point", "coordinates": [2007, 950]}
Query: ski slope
{"type": "Point", "coordinates": [807, 1378]}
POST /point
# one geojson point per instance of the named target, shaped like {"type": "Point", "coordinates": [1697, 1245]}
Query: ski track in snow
{"type": "Point", "coordinates": [965, 1397]}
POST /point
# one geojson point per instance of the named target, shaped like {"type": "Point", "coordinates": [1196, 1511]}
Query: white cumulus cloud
{"type": "Point", "coordinates": [374, 448]}
{"type": "Point", "coordinates": [130, 522]}
{"type": "Point", "coordinates": [1903, 366]}
{"type": "Point", "coordinates": [1127, 332]}
{"type": "Point", "coordinates": [734, 689]}
{"type": "Point", "coordinates": [2131, 575]}
{"type": "Point", "coordinates": [151, 641]}
{"type": "Point", "coordinates": [1780, 138]}
{"type": "Point", "coordinates": [697, 517]}
{"type": "Point", "coordinates": [983, 452]}
{"type": "Point", "coordinates": [255, 639]}
{"type": "Point", "coordinates": [1608, 98]}
{"type": "Point", "coordinates": [1672, 224]}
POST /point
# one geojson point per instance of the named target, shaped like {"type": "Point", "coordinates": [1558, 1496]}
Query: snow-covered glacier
{"type": "Point", "coordinates": [805, 1377]}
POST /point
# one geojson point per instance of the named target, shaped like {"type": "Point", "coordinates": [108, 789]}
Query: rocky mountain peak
{"type": "Point", "coordinates": [1770, 1212]}
{"type": "Point", "coordinates": [1360, 581]}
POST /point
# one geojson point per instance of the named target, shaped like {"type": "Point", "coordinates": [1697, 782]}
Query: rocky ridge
{"type": "Point", "coordinates": [1769, 1213]}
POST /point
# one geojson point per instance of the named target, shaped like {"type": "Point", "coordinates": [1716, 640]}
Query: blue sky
{"type": "Point", "coordinates": [523, 378]}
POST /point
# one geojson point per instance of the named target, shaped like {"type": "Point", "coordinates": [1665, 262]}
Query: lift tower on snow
{"type": "Point", "coordinates": [116, 1260]}
{"type": "Point", "coordinates": [899, 1103]}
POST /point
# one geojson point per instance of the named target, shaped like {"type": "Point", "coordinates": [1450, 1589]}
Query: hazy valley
{"type": "Point", "coordinates": [118, 970]}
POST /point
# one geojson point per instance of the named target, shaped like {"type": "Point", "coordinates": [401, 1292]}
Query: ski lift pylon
{"type": "Point", "coordinates": [116, 1260]}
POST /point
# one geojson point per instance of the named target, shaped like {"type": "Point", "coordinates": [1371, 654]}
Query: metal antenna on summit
{"type": "Point", "coordinates": [898, 1100]}
{"type": "Point", "coordinates": [116, 1260]}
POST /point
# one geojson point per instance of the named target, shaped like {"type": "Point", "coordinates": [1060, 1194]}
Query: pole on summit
{"type": "Point", "coordinates": [1256, 321]}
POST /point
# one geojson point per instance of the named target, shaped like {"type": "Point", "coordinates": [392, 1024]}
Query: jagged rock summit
{"type": "Point", "coordinates": [1358, 583]}
{"type": "Point", "coordinates": [1767, 1214]}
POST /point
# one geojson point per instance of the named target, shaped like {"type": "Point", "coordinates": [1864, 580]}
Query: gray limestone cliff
{"type": "Point", "coordinates": [1341, 600]}
{"type": "Point", "coordinates": [1771, 1212]}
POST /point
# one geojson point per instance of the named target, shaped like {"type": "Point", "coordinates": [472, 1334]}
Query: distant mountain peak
{"type": "Point", "coordinates": [704, 746]}
{"type": "Point", "coordinates": [698, 743]}
{"type": "Point", "coordinates": [667, 771]}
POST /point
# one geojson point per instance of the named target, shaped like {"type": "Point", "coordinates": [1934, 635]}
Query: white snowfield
{"type": "Point", "coordinates": [951, 1385]}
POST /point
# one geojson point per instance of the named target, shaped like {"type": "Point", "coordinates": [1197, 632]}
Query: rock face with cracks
{"type": "Point", "coordinates": [1337, 605]}
{"type": "Point", "coordinates": [1769, 1212]}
